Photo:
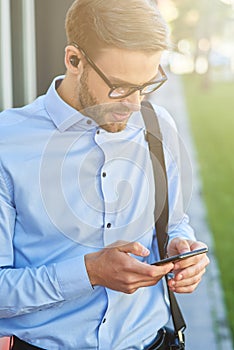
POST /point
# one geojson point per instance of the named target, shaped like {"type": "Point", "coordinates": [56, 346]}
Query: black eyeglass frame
{"type": "Point", "coordinates": [113, 87]}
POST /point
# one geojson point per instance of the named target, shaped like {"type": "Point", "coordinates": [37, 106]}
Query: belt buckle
{"type": "Point", "coordinates": [179, 342]}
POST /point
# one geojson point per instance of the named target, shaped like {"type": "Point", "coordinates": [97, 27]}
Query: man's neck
{"type": "Point", "coordinates": [67, 91]}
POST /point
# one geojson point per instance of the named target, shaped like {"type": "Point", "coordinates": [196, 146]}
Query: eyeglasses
{"type": "Point", "coordinates": [121, 90]}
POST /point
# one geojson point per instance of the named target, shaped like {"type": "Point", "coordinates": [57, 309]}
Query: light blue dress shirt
{"type": "Point", "coordinates": [69, 188]}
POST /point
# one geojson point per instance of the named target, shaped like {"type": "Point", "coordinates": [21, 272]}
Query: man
{"type": "Point", "coordinates": [77, 193]}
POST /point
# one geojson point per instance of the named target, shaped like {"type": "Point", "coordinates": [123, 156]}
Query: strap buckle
{"type": "Point", "coordinates": [179, 342]}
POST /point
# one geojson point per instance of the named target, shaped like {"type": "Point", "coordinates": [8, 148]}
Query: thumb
{"type": "Point", "coordinates": [178, 246]}
{"type": "Point", "coordinates": [182, 246]}
{"type": "Point", "coordinates": [135, 248]}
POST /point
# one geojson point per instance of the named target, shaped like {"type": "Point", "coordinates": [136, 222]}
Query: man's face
{"type": "Point", "coordinates": [120, 67]}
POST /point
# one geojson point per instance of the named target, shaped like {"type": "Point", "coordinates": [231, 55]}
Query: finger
{"type": "Point", "coordinates": [190, 261]}
{"type": "Point", "coordinates": [135, 248]}
{"type": "Point", "coordinates": [147, 271]}
{"type": "Point", "coordinates": [186, 285]}
{"type": "Point", "coordinates": [132, 289]}
{"type": "Point", "coordinates": [182, 246]}
{"type": "Point", "coordinates": [197, 245]}
{"type": "Point", "coordinates": [185, 289]}
{"type": "Point", "coordinates": [178, 246]}
{"type": "Point", "coordinates": [196, 264]}
{"type": "Point", "coordinates": [133, 283]}
{"type": "Point", "coordinates": [181, 281]}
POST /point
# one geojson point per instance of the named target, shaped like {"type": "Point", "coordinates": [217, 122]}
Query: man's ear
{"type": "Point", "coordinates": [72, 58]}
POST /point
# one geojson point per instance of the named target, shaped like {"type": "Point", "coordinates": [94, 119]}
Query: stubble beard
{"type": "Point", "coordinates": [100, 113]}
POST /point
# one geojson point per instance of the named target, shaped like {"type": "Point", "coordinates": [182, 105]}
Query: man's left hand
{"type": "Point", "coordinates": [187, 273]}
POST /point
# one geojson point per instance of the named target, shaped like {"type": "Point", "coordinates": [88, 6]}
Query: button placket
{"type": "Point", "coordinates": [106, 183]}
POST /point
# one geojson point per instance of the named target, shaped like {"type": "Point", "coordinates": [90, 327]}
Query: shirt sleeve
{"type": "Point", "coordinates": [7, 220]}
{"type": "Point", "coordinates": [29, 289]}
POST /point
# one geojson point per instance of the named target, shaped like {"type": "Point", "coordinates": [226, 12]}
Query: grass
{"type": "Point", "coordinates": [212, 121]}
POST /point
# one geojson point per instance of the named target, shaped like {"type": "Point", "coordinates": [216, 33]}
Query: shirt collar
{"type": "Point", "coordinates": [62, 114]}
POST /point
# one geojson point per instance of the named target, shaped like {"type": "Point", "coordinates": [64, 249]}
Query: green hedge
{"type": "Point", "coordinates": [212, 120]}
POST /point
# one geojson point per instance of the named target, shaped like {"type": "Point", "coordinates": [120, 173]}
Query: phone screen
{"type": "Point", "coordinates": [181, 256]}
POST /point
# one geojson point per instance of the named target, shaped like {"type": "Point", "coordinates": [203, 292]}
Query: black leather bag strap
{"type": "Point", "coordinates": [154, 138]}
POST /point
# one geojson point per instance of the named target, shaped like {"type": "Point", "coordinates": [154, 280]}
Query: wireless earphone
{"type": "Point", "coordinates": [74, 60]}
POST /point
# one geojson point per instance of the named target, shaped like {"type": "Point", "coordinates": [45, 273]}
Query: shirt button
{"type": "Point", "coordinates": [98, 132]}
{"type": "Point", "coordinates": [104, 320]}
{"type": "Point", "coordinates": [108, 225]}
{"type": "Point", "coordinates": [89, 121]}
{"type": "Point", "coordinates": [104, 174]}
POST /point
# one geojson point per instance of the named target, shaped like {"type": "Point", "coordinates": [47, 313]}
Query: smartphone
{"type": "Point", "coordinates": [180, 257]}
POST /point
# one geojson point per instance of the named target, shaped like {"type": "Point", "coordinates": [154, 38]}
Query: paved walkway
{"type": "Point", "coordinates": [204, 309]}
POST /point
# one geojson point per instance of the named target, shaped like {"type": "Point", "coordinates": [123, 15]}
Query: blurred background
{"type": "Point", "coordinates": [32, 42]}
{"type": "Point", "coordinates": [202, 33]}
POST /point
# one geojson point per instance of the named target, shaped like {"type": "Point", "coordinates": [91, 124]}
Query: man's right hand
{"type": "Point", "coordinates": [114, 267]}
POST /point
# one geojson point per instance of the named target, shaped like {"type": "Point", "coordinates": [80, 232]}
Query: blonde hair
{"type": "Point", "coordinates": [126, 24]}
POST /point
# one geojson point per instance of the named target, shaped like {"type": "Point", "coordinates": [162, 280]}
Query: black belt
{"type": "Point", "coordinates": [157, 344]}
{"type": "Point", "coordinates": [19, 344]}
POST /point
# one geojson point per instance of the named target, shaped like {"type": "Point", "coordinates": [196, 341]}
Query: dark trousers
{"type": "Point", "coordinates": [162, 341]}
{"type": "Point", "coordinates": [22, 345]}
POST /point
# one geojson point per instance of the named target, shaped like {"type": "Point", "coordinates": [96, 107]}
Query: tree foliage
{"type": "Point", "coordinates": [200, 19]}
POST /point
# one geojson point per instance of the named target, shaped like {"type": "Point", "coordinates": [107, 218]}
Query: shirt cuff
{"type": "Point", "coordinates": [73, 278]}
